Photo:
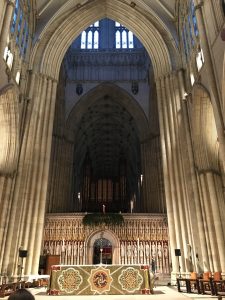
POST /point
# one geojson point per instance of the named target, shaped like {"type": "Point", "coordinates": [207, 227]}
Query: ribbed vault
{"type": "Point", "coordinates": [54, 42]}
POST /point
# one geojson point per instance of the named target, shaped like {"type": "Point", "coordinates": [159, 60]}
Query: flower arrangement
{"type": "Point", "coordinates": [96, 219]}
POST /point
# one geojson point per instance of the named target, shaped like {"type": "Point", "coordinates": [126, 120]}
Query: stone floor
{"type": "Point", "coordinates": [160, 293]}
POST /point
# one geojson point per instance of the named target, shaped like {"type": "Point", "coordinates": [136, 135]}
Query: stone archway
{"type": "Point", "coordinates": [55, 40]}
{"type": "Point", "coordinates": [46, 59]}
{"type": "Point", "coordinates": [102, 252]}
{"type": "Point", "coordinates": [106, 234]}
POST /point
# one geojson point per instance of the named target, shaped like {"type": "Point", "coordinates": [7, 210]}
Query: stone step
{"type": "Point", "coordinates": [162, 279]}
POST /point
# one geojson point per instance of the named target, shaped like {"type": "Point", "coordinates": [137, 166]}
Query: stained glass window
{"type": "Point", "coordinates": [19, 24]}
{"type": "Point", "coordinates": [194, 20]}
{"type": "Point", "coordinates": [189, 29]}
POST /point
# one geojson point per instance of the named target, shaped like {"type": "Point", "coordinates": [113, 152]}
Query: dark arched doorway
{"type": "Point", "coordinates": [102, 252]}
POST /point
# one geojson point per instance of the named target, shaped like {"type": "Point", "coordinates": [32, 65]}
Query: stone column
{"type": "Point", "coordinates": [7, 184]}
{"type": "Point", "coordinates": [3, 5]}
{"type": "Point", "coordinates": [219, 261]}
{"type": "Point", "coordinates": [209, 226]}
{"type": "Point", "coordinates": [37, 159]}
{"type": "Point", "coordinates": [215, 94]}
{"type": "Point", "coordinates": [197, 204]}
{"type": "Point", "coordinates": [31, 214]}
{"type": "Point", "coordinates": [46, 150]}
{"type": "Point", "coordinates": [176, 122]}
{"type": "Point", "coordinates": [172, 163]}
{"type": "Point", "coordinates": [19, 192]}
{"type": "Point", "coordinates": [168, 192]}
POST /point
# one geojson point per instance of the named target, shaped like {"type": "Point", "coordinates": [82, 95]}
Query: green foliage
{"type": "Point", "coordinates": [103, 218]}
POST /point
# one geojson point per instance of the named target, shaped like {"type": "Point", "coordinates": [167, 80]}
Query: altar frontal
{"type": "Point", "coordinates": [100, 279]}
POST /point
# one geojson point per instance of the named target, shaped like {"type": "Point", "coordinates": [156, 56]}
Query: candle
{"type": "Point", "coordinates": [103, 208]}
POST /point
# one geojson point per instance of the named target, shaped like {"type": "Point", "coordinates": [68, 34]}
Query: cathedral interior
{"type": "Point", "coordinates": [112, 109]}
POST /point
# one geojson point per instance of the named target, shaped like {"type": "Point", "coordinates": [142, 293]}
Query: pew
{"type": "Point", "coordinates": [8, 288]}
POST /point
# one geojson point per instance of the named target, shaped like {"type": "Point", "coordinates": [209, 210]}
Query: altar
{"type": "Point", "coordinates": [100, 279]}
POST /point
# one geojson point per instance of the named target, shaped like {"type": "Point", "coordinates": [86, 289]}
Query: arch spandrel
{"type": "Point", "coordinates": [54, 43]}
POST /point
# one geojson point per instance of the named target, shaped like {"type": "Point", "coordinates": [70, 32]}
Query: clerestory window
{"type": "Point", "coordinates": [107, 34]}
{"type": "Point", "coordinates": [19, 25]}
{"type": "Point", "coordinates": [189, 29]}
{"type": "Point", "coordinates": [123, 37]}
{"type": "Point", "coordinates": [90, 37]}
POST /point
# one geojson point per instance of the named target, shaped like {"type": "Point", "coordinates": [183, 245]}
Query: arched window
{"type": "Point", "coordinates": [190, 31]}
{"type": "Point", "coordinates": [189, 28]}
{"type": "Point", "coordinates": [19, 24]}
{"type": "Point", "coordinates": [118, 40]}
{"type": "Point", "coordinates": [131, 39]}
{"type": "Point", "coordinates": [194, 20]}
{"type": "Point", "coordinates": [106, 34]}
{"type": "Point", "coordinates": [123, 37]}
{"type": "Point", "coordinates": [15, 15]}
{"type": "Point", "coordinates": [96, 39]}
{"type": "Point", "coordinates": [90, 37]}
{"type": "Point", "coordinates": [83, 40]}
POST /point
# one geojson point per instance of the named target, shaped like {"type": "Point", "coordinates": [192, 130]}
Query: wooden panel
{"type": "Point", "coordinates": [50, 261]}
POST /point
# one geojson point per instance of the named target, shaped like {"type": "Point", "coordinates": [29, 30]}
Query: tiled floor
{"type": "Point", "coordinates": [160, 292]}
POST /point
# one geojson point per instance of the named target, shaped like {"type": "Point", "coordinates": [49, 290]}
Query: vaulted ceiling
{"type": "Point", "coordinates": [48, 10]}
{"type": "Point", "coordinates": [163, 7]}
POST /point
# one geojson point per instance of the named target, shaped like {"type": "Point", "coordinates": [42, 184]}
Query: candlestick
{"type": "Point", "coordinates": [138, 249]}
{"type": "Point", "coordinates": [131, 206]}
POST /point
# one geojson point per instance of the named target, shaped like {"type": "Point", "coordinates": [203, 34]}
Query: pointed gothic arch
{"type": "Point", "coordinates": [119, 96]}
{"type": "Point", "coordinates": [107, 234]}
{"type": "Point", "coordinates": [53, 43]}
